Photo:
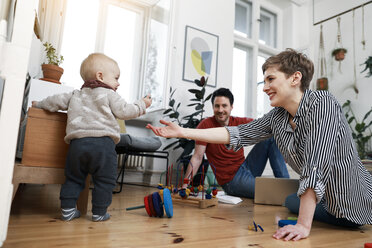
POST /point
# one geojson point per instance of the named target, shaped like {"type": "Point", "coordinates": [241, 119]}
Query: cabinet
{"type": "Point", "coordinates": [40, 89]}
{"type": "Point", "coordinates": [44, 153]}
{"type": "Point", "coordinates": [43, 144]}
{"type": "Point", "coordinates": [36, 91]}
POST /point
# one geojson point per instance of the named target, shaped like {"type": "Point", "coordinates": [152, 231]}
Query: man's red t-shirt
{"type": "Point", "coordinates": [225, 163]}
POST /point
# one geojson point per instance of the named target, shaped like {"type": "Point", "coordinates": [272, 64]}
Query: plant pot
{"type": "Point", "coordinates": [52, 73]}
{"type": "Point", "coordinates": [339, 54]}
{"type": "Point", "coordinates": [322, 83]}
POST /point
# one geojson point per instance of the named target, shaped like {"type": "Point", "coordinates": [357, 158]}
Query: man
{"type": "Point", "coordinates": [235, 173]}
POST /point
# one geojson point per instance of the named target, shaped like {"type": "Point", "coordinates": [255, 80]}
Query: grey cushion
{"type": "Point", "coordinates": [139, 144]}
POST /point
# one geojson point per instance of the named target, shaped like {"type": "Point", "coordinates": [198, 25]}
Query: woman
{"type": "Point", "coordinates": [313, 136]}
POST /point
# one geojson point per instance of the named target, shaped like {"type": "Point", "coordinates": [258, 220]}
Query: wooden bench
{"type": "Point", "coordinates": [44, 153]}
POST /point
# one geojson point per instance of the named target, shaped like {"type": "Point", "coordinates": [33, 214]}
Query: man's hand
{"type": "Point", "coordinates": [292, 232]}
{"type": "Point", "coordinates": [148, 101]}
{"type": "Point", "coordinates": [171, 130]}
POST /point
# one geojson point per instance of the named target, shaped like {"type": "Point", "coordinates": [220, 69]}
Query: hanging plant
{"type": "Point", "coordinates": [322, 82]}
{"type": "Point", "coordinates": [339, 53]}
{"type": "Point", "coordinates": [363, 33]}
{"type": "Point", "coordinates": [368, 67]}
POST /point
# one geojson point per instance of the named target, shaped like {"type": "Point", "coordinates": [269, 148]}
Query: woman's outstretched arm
{"type": "Point", "coordinates": [217, 135]}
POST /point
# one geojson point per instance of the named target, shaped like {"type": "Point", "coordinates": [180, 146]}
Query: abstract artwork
{"type": "Point", "coordinates": [200, 56]}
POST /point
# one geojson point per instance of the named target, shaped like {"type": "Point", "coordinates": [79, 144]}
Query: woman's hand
{"type": "Point", "coordinates": [292, 232]}
{"type": "Point", "coordinates": [305, 218]}
{"type": "Point", "coordinates": [171, 130]}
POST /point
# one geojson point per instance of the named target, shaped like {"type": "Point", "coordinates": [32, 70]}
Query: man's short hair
{"type": "Point", "coordinates": [290, 61]}
{"type": "Point", "coordinates": [223, 92]}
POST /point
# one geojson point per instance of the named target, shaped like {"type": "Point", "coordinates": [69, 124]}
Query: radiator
{"type": "Point", "coordinates": [133, 162]}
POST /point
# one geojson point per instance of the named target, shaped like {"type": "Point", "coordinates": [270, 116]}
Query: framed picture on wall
{"type": "Point", "coordinates": [200, 56]}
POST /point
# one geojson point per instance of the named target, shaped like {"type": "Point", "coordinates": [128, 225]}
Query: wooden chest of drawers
{"type": "Point", "coordinates": [43, 144]}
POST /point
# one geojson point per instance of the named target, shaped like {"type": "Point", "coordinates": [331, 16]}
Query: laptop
{"type": "Point", "coordinates": [274, 191]}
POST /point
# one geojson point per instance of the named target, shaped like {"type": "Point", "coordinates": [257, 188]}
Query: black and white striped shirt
{"type": "Point", "coordinates": [321, 149]}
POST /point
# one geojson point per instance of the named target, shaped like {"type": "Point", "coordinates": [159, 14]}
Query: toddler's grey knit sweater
{"type": "Point", "coordinates": [93, 112]}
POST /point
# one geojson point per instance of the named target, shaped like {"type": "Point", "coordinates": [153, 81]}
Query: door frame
{"type": "Point", "coordinates": [14, 59]}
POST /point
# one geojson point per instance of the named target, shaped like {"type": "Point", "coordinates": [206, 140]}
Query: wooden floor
{"type": "Point", "coordinates": [34, 222]}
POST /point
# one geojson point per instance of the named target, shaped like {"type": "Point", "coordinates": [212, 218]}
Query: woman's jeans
{"type": "Point", "coordinates": [292, 202]}
{"type": "Point", "coordinates": [243, 182]}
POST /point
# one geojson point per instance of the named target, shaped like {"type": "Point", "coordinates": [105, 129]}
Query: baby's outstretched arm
{"type": "Point", "coordinates": [148, 101]}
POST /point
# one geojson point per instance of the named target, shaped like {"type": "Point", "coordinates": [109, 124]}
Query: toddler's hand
{"type": "Point", "coordinates": [147, 99]}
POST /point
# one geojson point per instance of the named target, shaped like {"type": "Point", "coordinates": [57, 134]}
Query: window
{"type": "Point", "coordinates": [241, 65]}
{"type": "Point", "coordinates": [263, 102]}
{"type": "Point", "coordinates": [75, 47]}
{"type": "Point", "coordinates": [267, 28]}
{"type": "Point", "coordinates": [132, 33]}
{"type": "Point", "coordinates": [243, 18]}
{"type": "Point", "coordinates": [255, 40]}
{"type": "Point", "coordinates": [157, 52]}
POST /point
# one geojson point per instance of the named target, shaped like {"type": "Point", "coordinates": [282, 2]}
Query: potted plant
{"type": "Point", "coordinates": [51, 70]}
{"type": "Point", "coordinates": [359, 129]}
{"type": "Point", "coordinates": [368, 67]}
{"type": "Point", "coordinates": [322, 83]}
{"type": "Point", "coordinates": [339, 53]}
{"type": "Point", "coordinates": [189, 121]}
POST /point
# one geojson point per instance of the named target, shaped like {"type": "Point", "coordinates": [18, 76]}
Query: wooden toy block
{"type": "Point", "coordinates": [202, 203]}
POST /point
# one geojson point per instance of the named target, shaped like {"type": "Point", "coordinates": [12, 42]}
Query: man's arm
{"type": "Point", "coordinates": [195, 162]}
{"type": "Point", "coordinates": [305, 218]}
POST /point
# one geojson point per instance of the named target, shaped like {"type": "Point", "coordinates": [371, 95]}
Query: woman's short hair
{"type": "Point", "coordinates": [290, 61]}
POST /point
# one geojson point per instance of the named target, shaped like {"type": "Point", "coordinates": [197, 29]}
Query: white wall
{"type": "Point", "coordinates": [296, 25]}
{"type": "Point", "coordinates": [213, 16]}
{"type": "Point", "coordinates": [340, 83]}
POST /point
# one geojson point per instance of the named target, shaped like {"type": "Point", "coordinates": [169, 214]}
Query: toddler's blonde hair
{"type": "Point", "coordinates": [93, 63]}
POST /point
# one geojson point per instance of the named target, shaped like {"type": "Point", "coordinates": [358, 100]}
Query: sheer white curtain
{"type": "Point", "coordinates": [51, 20]}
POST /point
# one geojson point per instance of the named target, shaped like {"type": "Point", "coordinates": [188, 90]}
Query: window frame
{"type": "Point", "coordinates": [266, 100]}
{"type": "Point", "coordinates": [273, 22]}
{"type": "Point", "coordinates": [248, 79]}
{"type": "Point", "coordinates": [144, 10]}
{"type": "Point", "coordinates": [249, 22]}
{"type": "Point", "coordinates": [140, 47]}
{"type": "Point", "coordinates": [257, 49]}
{"type": "Point", "coordinates": [169, 57]}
